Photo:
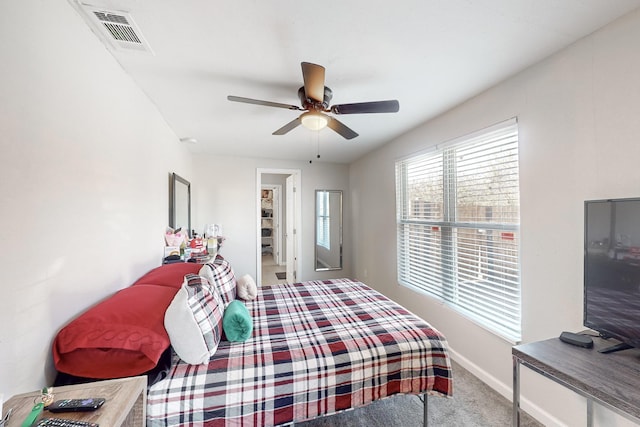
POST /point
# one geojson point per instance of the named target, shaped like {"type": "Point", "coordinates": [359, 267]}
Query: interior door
{"type": "Point", "coordinates": [292, 249]}
{"type": "Point", "coordinates": [276, 225]}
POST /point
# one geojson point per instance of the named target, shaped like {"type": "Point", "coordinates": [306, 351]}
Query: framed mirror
{"type": "Point", "coordinates": [328, 241]}
{"type": "Point", "coordinates": [179, 203]}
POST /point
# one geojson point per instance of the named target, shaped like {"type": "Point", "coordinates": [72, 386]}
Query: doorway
{"type": "Point", "coordinates": [278, 217]}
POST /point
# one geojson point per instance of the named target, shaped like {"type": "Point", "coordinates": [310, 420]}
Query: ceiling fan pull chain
{"type": "Point", "coordinates": [317, 145]}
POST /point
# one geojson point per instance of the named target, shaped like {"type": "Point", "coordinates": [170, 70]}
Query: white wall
{"type": "Point", "coordinates": [226, 194]}
{"type": "Point", "coordinates": [85, 161]}
{"type": "Point", "coordinates": [579, 139]}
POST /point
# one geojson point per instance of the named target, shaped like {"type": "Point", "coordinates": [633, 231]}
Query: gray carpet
{"type": "Point", "coordinates": [474, 404]}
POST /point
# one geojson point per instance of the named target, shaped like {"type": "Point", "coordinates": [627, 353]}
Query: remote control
{"type": "Point", "coordinates": [76, 405]}
{"type": "Point", "coordinates": [576, 339]}
{"type": "Point", "coordinates": [59, 422]}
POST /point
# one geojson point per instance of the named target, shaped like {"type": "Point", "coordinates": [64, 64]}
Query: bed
{"type": "Point", "coordinates": [317, 348]}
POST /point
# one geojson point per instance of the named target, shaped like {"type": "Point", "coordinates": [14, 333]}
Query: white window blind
{"type": "Point", "coordinates": [458, 220]}
{"type": "Point", "coordinates": [322, 221]}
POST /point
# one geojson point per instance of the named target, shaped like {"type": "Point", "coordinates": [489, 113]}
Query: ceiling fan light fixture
{"type": "Point", "coordinates": [314, 121]}
{"type": "Point", "coordinates": [315, 98]}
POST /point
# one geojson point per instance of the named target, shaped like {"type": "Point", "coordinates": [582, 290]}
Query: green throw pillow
{"type": "Point", "coordinates": [237, 322]}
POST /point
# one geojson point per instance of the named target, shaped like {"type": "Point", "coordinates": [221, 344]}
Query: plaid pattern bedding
{"type": "Point", "coordinates": [221, 276]}
{"type": "Point", "coordinates": [207, 308]}
{"type": "Point", "coordinates": [317, 348]}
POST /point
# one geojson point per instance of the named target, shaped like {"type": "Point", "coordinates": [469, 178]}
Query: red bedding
{"type": "Point", "coordinates": [317, 348]}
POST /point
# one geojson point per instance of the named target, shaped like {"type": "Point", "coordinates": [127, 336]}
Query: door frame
{"type": "Point", "coordinates": [297, 218]}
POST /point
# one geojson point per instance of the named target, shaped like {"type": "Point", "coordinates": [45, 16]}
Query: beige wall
{"type": "Point", "coordinates": [579, 139]}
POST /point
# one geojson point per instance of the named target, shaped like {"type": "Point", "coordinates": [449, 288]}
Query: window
{"type": "Point", "coordinates": [458, 220]}
{"type": "Point", "coordinates": [323, 231]}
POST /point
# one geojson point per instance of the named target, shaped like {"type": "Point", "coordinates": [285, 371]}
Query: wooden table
{"type": "Point", "coordinates": [125, 406]}
{"type": "Point", "coordinates": [611, 380]}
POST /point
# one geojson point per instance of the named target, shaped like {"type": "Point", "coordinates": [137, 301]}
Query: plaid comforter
{"type": "Point", "coordinates": [317, 348]}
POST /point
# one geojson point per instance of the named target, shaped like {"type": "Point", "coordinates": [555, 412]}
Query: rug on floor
{"type": "Point", "coordinates": [281, 276]}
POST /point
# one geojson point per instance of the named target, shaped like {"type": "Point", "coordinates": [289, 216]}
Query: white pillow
{"type": "Point", "coordinates": [193, 320]}
{"type": "Point", "coordinates": [246, 288]}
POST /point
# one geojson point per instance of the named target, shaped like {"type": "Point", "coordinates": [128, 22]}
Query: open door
{"type": "Point", "coordinates": [292, 240]}
{"type": "Point", "coordinates": [277, 224]}
{"type": "Point", "coordinates": [292, 250]}
{"type": "Point", "coordinates": [272, 232]}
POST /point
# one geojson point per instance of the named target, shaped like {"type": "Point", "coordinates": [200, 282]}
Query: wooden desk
{"type": "Point", "coordinates": [611, 380]}
{"type": "Point", "coordinates": [126, 404]}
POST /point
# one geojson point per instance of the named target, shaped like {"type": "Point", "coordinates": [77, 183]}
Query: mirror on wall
{"type": "Point", "coordinates": [179, 203]}
{"type": "Point", "coordinates": [328, 230]}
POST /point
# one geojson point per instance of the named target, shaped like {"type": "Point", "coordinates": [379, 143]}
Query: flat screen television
{"type": "Point", "coordinates": [612, 270]}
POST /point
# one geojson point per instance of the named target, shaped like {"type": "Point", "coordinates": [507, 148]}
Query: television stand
{"type": "Point", "coordinates": [609, 380]}
{"type": "Point", "coordinates": [617, 347]}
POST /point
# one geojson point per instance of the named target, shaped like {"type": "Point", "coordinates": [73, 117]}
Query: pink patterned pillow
{"type": "Point", "coordinates": [193, 320]}
{"type": "Point", "coordinates": [221, 277]}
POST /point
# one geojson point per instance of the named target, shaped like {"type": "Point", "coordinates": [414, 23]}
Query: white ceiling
{"type": "Point", "coordinates": [430, 55]}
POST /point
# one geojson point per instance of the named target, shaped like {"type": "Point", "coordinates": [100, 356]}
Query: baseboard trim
{"type": "Point", "coordinates": [506, 390]}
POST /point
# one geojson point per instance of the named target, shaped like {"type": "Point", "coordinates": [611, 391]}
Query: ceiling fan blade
{"type": "Point", "coordinates": [341, 128]}
{"type": "Point", "coordinates": [264, 103]}
{"type": "Point", "coordinates": [289, 126]}
{"type": "Point", "coordinates": [391, 106]}
{"type": "Point", "coordinates": [313, 76]}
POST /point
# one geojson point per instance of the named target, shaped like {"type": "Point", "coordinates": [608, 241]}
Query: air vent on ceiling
{"type": "Point", "coordinates": [116, 28]}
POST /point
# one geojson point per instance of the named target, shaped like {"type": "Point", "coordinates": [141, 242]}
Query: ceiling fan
{"type": "Point", "coordinates": [315, 99]}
